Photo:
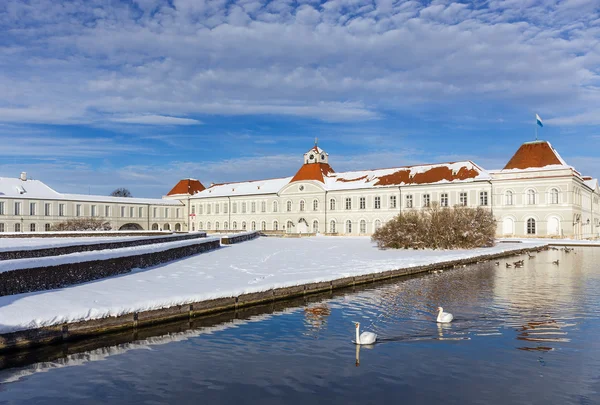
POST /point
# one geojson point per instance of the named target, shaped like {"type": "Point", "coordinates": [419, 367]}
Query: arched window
{"type": "Point", "coordinates": [263, 225]}
{"type": "Point", "coordinates": [315, 205]}
{"type": "Point", "coordinates": [301, 205]}
{"type": "Point", "coordinates": [167, 227]}
{"type": "Point", "coordinates": [315, 226]}
{"type": "Point", "coordinates": [226, 225]}
{"type": "Point", "coordinates": [31, 227]}
{"type": "Point", "coordinates": [332, 226]}
{"type": "Point", "coordinates": [253, 226]}
{"type": "Point", "coordinates": [377, 224]}
{"type": "Point", "coordinates": [17, 227]}
{"type": "Point", "coordinates": [289, 206]}
{"type": "Point", "coordinates": [531, 226]}
{"type": "Point", "coordinates": [275, 225]}
{"type": "Point", "coordinates": [332, 204]}
{"type": "Point", "coordinates": [154, 227]}
{"type": "Point", "coordinates": [289, 226]}
{"type": "Point", "coordinates": [243, 225]}
{"type": "Point", "coordinates": [509, 198]}
{"type": "Point", "coordinates": [531, 197]}
{"type": "Point", "coordinates": [178, 227]}
{"type": "Point", "coordinates": [275, 206]}
{"type": "Point", "coordinates": [235, 225]}
{"type": "Point", "coordinates": [217, 226]}
{"type": "Point", "coordinates": [554, 196]}
{"type": "Point", "coordinates": [208, 226]}
{"type": "Point", "coordinates": [348, 226]}
{"type": "Point", "coordinates": [363, 226]}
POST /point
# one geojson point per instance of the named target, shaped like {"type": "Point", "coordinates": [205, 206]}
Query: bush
{"type": "Point", "coordinates": [438, 228]}
{"type": "Point", "coordinates": [82, 224]}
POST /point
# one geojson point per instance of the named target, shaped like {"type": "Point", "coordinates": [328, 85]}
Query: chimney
{"type": "Point", "coordinates": [23, 176]}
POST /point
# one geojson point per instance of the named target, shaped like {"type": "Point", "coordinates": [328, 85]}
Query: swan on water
{"type": "Point", "coordinates": [444, 317]}
{"type": "Point", "coordinates": [365, 338]}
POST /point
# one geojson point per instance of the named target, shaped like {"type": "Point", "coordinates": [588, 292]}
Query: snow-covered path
{"type": "Point", "coordinates": [253, 266]}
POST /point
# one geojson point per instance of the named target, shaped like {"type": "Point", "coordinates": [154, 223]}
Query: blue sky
{"type": "Point", "coordinates": [98, 94]}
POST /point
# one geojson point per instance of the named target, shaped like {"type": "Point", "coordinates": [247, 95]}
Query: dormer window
{"type": "Point", "coordinates": [322, 157]}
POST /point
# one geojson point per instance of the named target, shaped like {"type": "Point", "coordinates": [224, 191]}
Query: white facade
{"type": "Point", "coordinates": [30, 206]}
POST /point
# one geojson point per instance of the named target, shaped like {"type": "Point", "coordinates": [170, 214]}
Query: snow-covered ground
{"type": "Point", "coordinates": [12, 244]}
{"type": "Point", "coordinates": [252, 266]}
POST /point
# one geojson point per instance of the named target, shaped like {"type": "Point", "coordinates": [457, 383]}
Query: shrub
{"type": "Point", "coordinates": [438, 228]}
{"type": "Point", "coordinates": [82, 224]}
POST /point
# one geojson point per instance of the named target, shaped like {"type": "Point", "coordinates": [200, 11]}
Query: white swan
{"type": "Point", "coordinates": [365, 338]}
{"type": "Point", "coordinates": [444, 317]}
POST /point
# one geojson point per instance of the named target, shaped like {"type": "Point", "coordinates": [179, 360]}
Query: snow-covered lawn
{"type": "Point", "coordinates": [252, 266]}
{"type": "Point", "coordinates": [12, 244]}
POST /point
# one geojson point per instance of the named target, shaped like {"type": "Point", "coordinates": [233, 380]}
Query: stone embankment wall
{"type": "Point", "coordinates": [65, 250]}
{"type": "Point", "coordinates": [79, 330]}
{"type": "Point", "coordinates": [230, 240]}
{"type": "Point", "coordinates": [63, 275]}
{"type": "Point", "coordinates": [73, 234]}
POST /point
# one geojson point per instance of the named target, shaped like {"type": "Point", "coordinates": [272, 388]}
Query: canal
{"type": "Point", "coordinates": [525, 335]}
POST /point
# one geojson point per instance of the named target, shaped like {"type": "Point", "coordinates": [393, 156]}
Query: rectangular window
{"type": "Point", "coordinates": [61, 210]}
{"type": "Point", "coordinates": [463, 199]}
{"type": "Point", "coordinates": [131, 212]}
{"type": "Point", "coordinates": [201, 209]}
{"type": "Point", "coordinates": [377, 203]}
{"type": "Point", "coordinates": [263, 207]}
{"type": "Point", "coordinates": [1, 227]}
{"type": "Point", "coordinates": [178, 212]}
{"type": "Point", "coordinates": [94, 213]}
{"type": "Point", "coordinates": [409, 201]}
{"type": "Point", "coordinates": [2, 208]}
{"type": "Point", "coordinates": [253, 207]}
{"type": "Point", "coordinates": [234, 208]}
{"type": "Point", "coordinates": [122, 212]}
{"type": "Point", "coordinates": [444, 199]}
{"type": "Point", "coordinates": [225, 208]}
{"type": "Point", "coordinates": [32, 208]}
{"type": "Point", "coordinates": [140, 212]}
{"type": "Point", "coordinates": [155, 209]}
{"type": "Point", "coordinates": [393, 201]}
{"type": "Point", "coordinates": [217, 208]}
{"type": "Point", "coordinates": [362, 203]}
{"type": "Point", "coordinates": [17, 208]}
{"type": "Point", "coordinates": [31, 227]}
{"type": "Point", "coordinates": [426, 200]}
{"type": "Point", "coordinates": [47, 209]}
{"type": "Point", "coordinates": [348, 203]}
{"type": "Point", "coordinates": [166, 213]}
{"type": "Point", "coordinates": [208, 209]}
{"type": "Point", "coordinates": [107, 211]}
{"type": "Point", "coordinates": [243, 208]}
{"type": "Point", "coordinates": [78, 210]}
{"type": "Point", "coordinates": [483, 198]}
{"type": "Point", "coordinates": [47, 227]}
{"type": "Point", "coordinates": [193, 209]}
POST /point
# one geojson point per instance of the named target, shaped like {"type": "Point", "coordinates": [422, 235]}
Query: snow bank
{"type": "Point", "coordinates": [253, 266]}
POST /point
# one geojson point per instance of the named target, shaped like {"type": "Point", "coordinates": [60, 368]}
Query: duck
{"type": "Point", "coordinates": [497, 263]}
{"type": "Point", "coordinates": [365, 338]}
{"type": "Point", "coordinates": [530, 255]}
{"type": "Point", "coordinates": [444, 317]}
{"type": "Point", "coordinates": [555, 262]}
{"type": "Point", "coordinates": [508, 265]}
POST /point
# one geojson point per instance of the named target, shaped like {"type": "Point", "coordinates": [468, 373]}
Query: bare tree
{"type": "Point", "coordinates": [121, 192]}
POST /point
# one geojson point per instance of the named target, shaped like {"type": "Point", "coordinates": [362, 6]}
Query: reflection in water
{"type": "Point", "coordinates": [523, 335]}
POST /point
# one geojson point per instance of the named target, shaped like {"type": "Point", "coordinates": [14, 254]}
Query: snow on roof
{"type": "Point", "coordinates": [36, 190]}
{"type": "Point", "coordinates": [536, 154]}
{"type": "Point", "coordinates": [409, 175]}
{"type": "Point", "coordinates": [591, 183]}
{"type": "Point", "coordinates": [256, 187]}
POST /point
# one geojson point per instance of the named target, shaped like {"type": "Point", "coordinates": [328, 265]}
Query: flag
{"type": "Point", "coordinates": [538, 119]}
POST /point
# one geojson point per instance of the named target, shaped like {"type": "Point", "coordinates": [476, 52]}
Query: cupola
{"type": "Point", "coordinates": [316, 155]}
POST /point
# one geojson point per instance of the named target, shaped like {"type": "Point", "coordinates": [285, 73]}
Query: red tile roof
{"type": "Point", "coordinates": [187, 186]}
{"type": "Point", "coordinates": [534, 154]}
{"type": "Point", "coordinates": [432, 175]}
{"type": "Point", "coordinates": [313, 171]}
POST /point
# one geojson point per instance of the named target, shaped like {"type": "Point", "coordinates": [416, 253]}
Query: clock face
{"type": "Point", "coordinates": [311, 157]}
{"type": "Point", "coordinates": [301, 188]}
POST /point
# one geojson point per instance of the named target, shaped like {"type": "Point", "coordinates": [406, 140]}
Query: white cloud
{"type": "Point", "coordinates": [150, 119]}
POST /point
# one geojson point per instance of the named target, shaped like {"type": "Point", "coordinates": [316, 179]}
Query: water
{"type": "Point", "coordinates": [520, 336]}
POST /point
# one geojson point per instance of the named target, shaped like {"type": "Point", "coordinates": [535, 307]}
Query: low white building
{"type": "Point", "coordinates": [28, 205]}
{"type": "Point", "coordinates": [536, 194]}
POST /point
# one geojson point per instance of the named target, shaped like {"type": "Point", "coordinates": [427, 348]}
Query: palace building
{"type": "Point", "coordinates": [537, 194]}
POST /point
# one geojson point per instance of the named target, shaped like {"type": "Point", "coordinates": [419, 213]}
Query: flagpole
{"type": "Point", "coordinates": [536, 125]}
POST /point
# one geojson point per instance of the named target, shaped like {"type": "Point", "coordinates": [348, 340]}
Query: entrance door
{"type": "Point", "coordinates": [302, 226]}
{"type": "Point", "coordinates": [553, 226]}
